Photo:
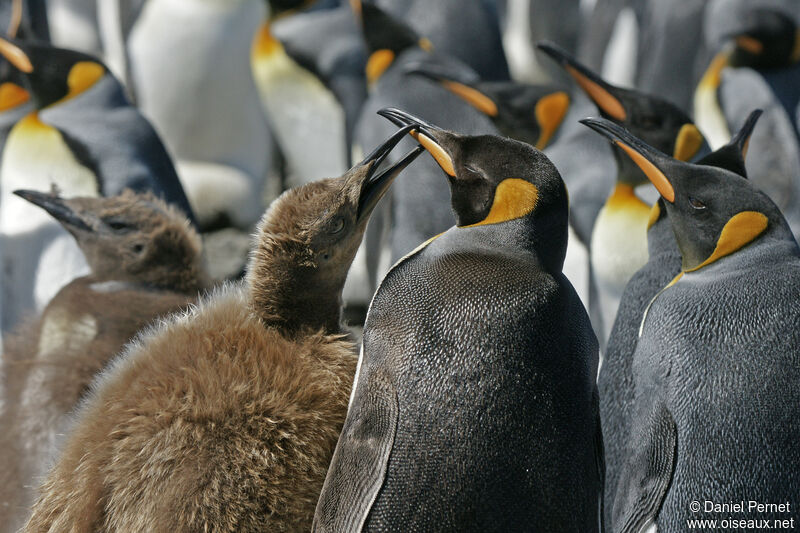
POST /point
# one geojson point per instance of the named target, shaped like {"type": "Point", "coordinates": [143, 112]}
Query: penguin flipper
{"type": "Point", "coordinates": [647, 475]}
{"type": "Point", "coordinates": [359, 463]}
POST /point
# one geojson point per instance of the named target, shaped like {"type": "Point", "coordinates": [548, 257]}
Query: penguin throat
{"type": "Point", "coordinates": [513, 198]}
{"type": "Point", "coordinates": [623, 198]}
{"type": "Point", "coordinates": [739, 231]}
{"type": "Point", "coordinates": [264, 43]}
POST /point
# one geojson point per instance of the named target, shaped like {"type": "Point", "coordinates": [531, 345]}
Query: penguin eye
{"type": "Point", "coordinates": [336, 226]}
{"type": "Point", "coordinates": [117, 225]}
{"type": "Point", "coordinates": [696, 204]}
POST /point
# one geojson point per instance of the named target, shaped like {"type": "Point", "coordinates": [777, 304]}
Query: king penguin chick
{"type": "Point", "coordinates": [716, 369]}
{"type": "Point", "coordinates": [618, 245]}
{"type": "Point", "coordinates": [475, 404]}
{"type": "Point", "coordinates": [82, 136]}
{"type": "Point", "coordinates": [615, 381]}
{"type": "Point", "coordinates": [145, 262]}
{"type": "Point", "coordinates": [225, 419]}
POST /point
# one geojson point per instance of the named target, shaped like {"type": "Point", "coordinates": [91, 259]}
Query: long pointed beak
{"type": "Point", "coordinates": [56, 207]}
{"type": "Point", "coordinates": [16, 56]}
{"type": "Point", "coordinates": [425, 133]}
{"type": "Point", "coordinates": [645, 156]}
{"type": "Point", "coordinates": [375, 186]}
{"type": "Point", "coordinates": [601, 92]}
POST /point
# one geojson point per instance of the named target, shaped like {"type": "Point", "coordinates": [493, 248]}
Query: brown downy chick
{"type": "Point", "coordinates": [145, 263]}
{"type": "Point", "coordinates": [226, 419]}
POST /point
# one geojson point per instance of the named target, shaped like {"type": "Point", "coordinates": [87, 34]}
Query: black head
{"type": "Point", "coordinates": [130, 237]}
{"type": "Point", "coordinates": [278, 8]}
{"type": "Point", "coordinates": [385, 36]}
{"type": "Point", "coordinates": [655, 120]}
{"type": "Point", "coordinates": [495, 180]}
{"type": "Point", "coordinates": [528, 113]}
{"type": "Point", "coordinates": [52, 74]}
{"type": "Point", "coordinates": [713, 211]}
{"type": "Point", "coordinates": [308, 239]}
{"type": "Point", "coordinates": [770, 40]}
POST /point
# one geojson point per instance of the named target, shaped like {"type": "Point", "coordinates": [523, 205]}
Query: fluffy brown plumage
{"type": "Point", "coordinates": [225, 419]}
{"type": "Point", "coordinates": [144, 267]}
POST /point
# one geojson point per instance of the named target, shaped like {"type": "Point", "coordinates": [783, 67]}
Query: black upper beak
{"type": "Point", "coordinates": [56, 207]}
{"type": "Point", "coordinates": [376, 185]}
{"type": "Point", "coordinates": [407, 120]}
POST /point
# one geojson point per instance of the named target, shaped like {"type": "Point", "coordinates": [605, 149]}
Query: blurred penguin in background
{"type": "Point", "coordinates": [758, 65]}
{"type": "Point", "coordinates": [190, 72]}
{"type": "Point", "coordinates": [618, 245]}
{"type": "Point", "coordinates": [82, 137]}
{"type": "Point", "coordinates": [309, 70]}
{"type": "Point", "coordinates": [415, 213]}
{"type": "Point", "coordinates": [145, 262]}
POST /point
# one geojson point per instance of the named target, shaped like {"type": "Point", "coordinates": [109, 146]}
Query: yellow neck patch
{"type": "Point", "coordinates": [513, 198]}
{"type": "Point", "coordinates": [12, 95]}
{"type": "Point", "coordinates": [795, 57]}
{"type": "Point", "coordinates": [604, 99]}
{"type": "Point", "coordinates": [655, 212]}
{"type": "Point", "coordinates": [473, 97]}
{"type": "Point", "coordinates": [623, 198]}
{"type": "Point", "coordinates": [739, 231]}
{"type": "Point", "coordinates": [264, 43]}
{"type": "Point", "coordinates": [550, 111]}
{"type": "Point", "coordinates": [377, 64]}
{"type": "Point", "coordinates": [81, 77]}
{"type": "Point", "coordinates": [651, 171]}
{"type": "Point", "coordinates": [713, 75]}
{"type": "Point", "coordinates": [688, 142]}
{"type": "Point", "coordinates": [425, 44]}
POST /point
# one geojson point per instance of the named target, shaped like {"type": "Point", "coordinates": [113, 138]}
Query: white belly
{"type": "Point", "coordinates": [306, 117]}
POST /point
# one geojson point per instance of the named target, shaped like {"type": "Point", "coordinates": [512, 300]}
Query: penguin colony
{"type": "Point", "coordinates": [560, 293]}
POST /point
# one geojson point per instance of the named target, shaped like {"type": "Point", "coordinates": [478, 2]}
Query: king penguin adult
{"type": "Point", "coordinates": [475, 404]}
{"type": "Point", "coordinates": [85, 138]}
{"type": "Point", "coordinates": [225, 419]}
{"type": "Point", "coordinates": [618, 246]}
{"type": "Point", "coordinates": [717, 365]}
{"type": "Point", "coordinates": [615, 380]}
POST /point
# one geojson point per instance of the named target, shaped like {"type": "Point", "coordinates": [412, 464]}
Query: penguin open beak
{"type": "Point", "coordinates": [16, 56]}
{"type": "Point", "coordinates": [601, 93]}
{"type": "Point", "coordinates": [645, 156]}
{"type": "Point", "coordinates": [56, 207]}
{"type": "Point", "coordinates": [375, 185]}
{"type": "Point", "coordinates": [425, 133]}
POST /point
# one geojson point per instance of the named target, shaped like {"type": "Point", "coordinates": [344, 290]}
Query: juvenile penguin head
{"type": "Point", "coordinates": [770, 39]}
{"type": "Point", "coordinates": [52, 74]}
{"type": "Point", "coordinates": [527, 113]}
{"type": "Point", "coordinates": [655, 120]}
{"type": "Point", "coordinates": [385, 37]}
{"type": "Point", "coordinates": [308, 238]}
{"type": "Point", "coordinates": [713, 210]}
{"type": "Point", "coordinates": [134, 238]}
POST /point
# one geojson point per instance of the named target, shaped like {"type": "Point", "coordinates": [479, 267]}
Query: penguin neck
{"type": "Point", "coordinates": [661, 240]}
{"type": "Point", "coordinates": [293, 298]}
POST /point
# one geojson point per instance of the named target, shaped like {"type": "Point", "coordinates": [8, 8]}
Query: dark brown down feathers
{"type": "Point", "coordinates": [224, 419]}
{"type": "Point", "coordinates": [49, 363]}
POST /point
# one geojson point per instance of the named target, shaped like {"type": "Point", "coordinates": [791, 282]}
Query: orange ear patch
{"type": "Point", "coordinates": [264, 43]}
{"type": "Point", "coordinates": [377, 64]}
{"type": "Point", "coordinates": [550, 112]}
{"type": "Point", "coordinates": [754, 46]}
{"type": "Point", "coordinates": [474, 97]}
{"type": "Point", "coordinates": [438, 153]}
{"type": "Point", "coordinates": [15, 56]}
{"type": "Point", "coordinates": [82, 76]}
{"type": "Point", "coordinates": [652, 172]}
{"type": "Point", "coordinates": [739, 231]}
{"type": "Point", "coordinates": [688, 142]}
{"type": "Point", "coordinates": [655, 213]}
{"type": "Point", "coordinates": [795, 57]}
{"type": "Point", "coordinates": [513, 198]}
{"type": "Point", "coordinates": [604, 99]}
{"type": "Point", "coordinates": [12, 95]}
